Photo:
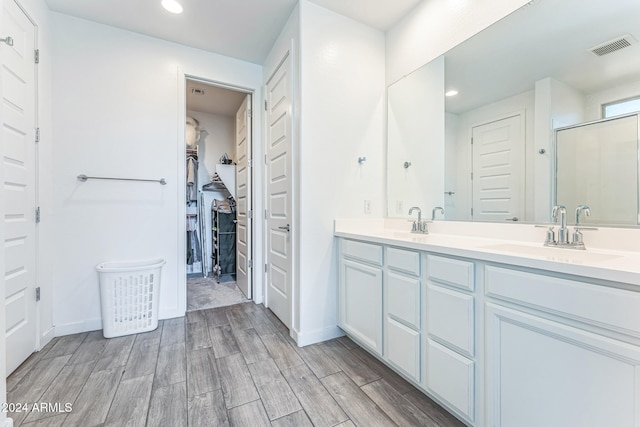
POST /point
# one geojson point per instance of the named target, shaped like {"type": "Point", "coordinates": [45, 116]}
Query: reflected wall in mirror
{"type": "Point", "coordinates": [548, 65]}
{"type": "Point", "coordinates": [414, 126]}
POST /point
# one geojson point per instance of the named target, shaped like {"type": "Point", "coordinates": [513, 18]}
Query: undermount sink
{"type": "Point", "coordinates": [551, 253]}
{"type": "Point", "coordinates": [408, 236]}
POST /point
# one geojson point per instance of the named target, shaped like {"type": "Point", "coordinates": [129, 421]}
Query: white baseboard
{"type": "Point", "coordinates": [94, 325]}
{"type": "Point", "coordinates": [319, 335]}
{"type": "Point", "coordinates": [78, 327]}
{"type": "Point", "coordinates": [47, 336]}
{"type": "Point", "coordinates": [169, 313]}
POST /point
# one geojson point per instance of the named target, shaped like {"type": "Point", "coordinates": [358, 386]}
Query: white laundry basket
{"type": "Point", "coordinates": [129, 294]}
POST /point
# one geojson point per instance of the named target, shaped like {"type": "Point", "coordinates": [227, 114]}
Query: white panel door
{"type": "Point", "coordinates": [279, 180]}
{"type": "Point", "coordinates": [498, 170]}
{"type": "Point", "coordinates": [243, 197]}
{"type": "Point", "coordinates": [19, 183]}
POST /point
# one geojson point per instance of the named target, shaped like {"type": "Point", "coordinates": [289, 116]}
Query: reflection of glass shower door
{"type": "Point", "coordinates": [597, 165]}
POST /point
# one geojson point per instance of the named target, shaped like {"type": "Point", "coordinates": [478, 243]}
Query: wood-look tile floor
{"type": "Point", "coordinates": [227, 366]}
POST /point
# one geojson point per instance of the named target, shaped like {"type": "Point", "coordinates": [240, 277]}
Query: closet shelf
{"type": "Point", "coordinates": [216, 184]}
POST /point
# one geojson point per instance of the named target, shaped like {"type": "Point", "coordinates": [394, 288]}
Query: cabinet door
{"type": "Point", "coordinates": [451, 376]}
{"type": "Point", "coordinates": [402, 348]}
{"type": "Point", "coordinates": [544, 373]}
{"type": "Point", "coordinates": [361, 303]}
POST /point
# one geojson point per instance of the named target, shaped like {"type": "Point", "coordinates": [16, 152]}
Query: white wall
{"type": "Point", "coordinates": [416, 135]}
{"type": "Point", "coordinates": [435, 26]}
{"type": "Point", "coordinates": [594, 101]}
{"type": "Point", "coordinates": [557, 105]}
{"type": "Point", "coordinates": [452, 173]}
{"type": "Point", "coordinates": [216, 138]}
{"type": "Point", "coordinates": [119, 111]}
{"type": "Point", "coordinates": [342, 117]}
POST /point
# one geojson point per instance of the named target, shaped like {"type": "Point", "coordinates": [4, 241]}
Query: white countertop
{"type": "Point", "coordinates": [525, 251]}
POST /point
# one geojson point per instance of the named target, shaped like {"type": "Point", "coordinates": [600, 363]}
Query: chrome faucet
{"type": "Point", "coordinates": [563, 231]}
{"type": "Point", "coordinates": [579, 210]}
{"type": "Point", "coordinates": [434, 210]}
{"type": "Point", "coordinates": [576, 241]}
{"type": "Point", "coordinates": [418, 226]}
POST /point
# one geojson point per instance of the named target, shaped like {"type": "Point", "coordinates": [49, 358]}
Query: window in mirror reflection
{"type": "Point", "coordinates": [625, 106]}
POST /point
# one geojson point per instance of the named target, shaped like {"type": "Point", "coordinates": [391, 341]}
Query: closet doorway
{"type": "Point", "coordinates": [218, 195]}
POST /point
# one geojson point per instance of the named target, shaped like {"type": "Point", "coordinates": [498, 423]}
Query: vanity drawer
{"type": "Point", "coordinates": [362, 251]}
{"type": "Point", "coordinates": [402, 297]}
{"type": "Point", "coordinates": [404, 261]}
{"type": "Point", "coordinates": [453, 272]}
{"type": "Point", "coordinates": [450, 318]}
{"type": "Point", "coordinates": [616, 309]}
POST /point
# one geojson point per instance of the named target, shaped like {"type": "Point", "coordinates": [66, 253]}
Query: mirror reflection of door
{"type": "Point", "coordinates": [497, 178]}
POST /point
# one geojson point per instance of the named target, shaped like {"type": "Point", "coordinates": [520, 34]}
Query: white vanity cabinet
{"type": "Point", "coordinates": [402, 311]}
{"type": "Point", "coordinates": [380, 302]}
{"type": "Point", "coordinates": [360, 300]}
{"type": "Point", "coordinates": [449, 355]}
{"type": "Point", "coordinates": [560, 352]}
{"type": "Point", "coordinates": [499, 341]}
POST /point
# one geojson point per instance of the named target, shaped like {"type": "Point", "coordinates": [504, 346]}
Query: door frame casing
{"type": "Point", "coordinates": [256, 226]}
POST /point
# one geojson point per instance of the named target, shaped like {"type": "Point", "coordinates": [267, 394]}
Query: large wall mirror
{"type": "Point", "coordinates": [489, 152]}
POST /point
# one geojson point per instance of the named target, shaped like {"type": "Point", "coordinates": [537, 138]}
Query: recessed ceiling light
{"type": "Point", "coordinates": [172, 6]}
{"type": "Point", "coordinates": [451, 93]}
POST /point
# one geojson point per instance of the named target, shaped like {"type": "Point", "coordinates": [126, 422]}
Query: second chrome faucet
{"type": "Point", "coordinates": [560, 212]}
{"type": "Point", "coordinates": [418, 226]}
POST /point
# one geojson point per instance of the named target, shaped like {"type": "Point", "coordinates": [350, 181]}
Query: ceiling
{"type": "Point", "coordinates": [545, 39]}
{"type": "Point", "coordinates": [243, 29]}
{"type": "Point", "coordinates": [214, 100]}
{"type": "Point", "coordinates": [380, 14]}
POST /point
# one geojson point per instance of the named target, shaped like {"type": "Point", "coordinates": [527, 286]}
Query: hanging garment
{"type": "Point", "coordinates": [194, 252]}
{"type": "Point", "coordinates": [193, 132]}
{"type": "Point", "coordinates": [189, 248]}
{"type": "Point", "coordinates": [195, 245]}
{"type": "Point", "coordinates": [192, 179]}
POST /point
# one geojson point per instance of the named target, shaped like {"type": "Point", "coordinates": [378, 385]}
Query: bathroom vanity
{"type": "Point", "coordinates": [500, 332]}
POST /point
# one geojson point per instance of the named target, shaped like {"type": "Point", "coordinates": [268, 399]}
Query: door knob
{"type": "Point", "coordinates": [515, 218]}
{"type": "Point", "coordinates": [284, 227]}
{"type": "Point", "coordinates": [8, 40]}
